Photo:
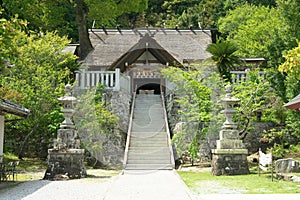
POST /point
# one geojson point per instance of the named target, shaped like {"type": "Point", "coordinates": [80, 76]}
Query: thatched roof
{"type": "Point", "coordinates": [111, 45]}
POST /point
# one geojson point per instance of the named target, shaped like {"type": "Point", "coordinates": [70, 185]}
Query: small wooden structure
{"type": "Point", "coordinates": [294, 104]}
{"type": "Point", "coordinates": [11, 108]}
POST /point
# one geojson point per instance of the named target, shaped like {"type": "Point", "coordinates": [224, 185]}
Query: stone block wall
{"type": "Point", "coordinates": [69, 162]}
{"type": "Point", "coordinates": [113, 144]}
{"type": "Point", "coordinates": [229, 164]}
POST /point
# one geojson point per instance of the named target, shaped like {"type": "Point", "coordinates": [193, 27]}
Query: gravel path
{"type": "Point", "coordinates": [72, 189]}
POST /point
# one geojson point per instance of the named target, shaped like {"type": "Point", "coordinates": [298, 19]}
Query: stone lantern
{"type": "Point", "coordinates": [230, 155]}
{"type": "Point", "coordinates": [66, 157]}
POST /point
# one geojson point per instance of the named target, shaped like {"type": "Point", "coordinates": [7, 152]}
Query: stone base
{"type": "Point", "coordinates": [67, 162]}
{"type": "Point", "coordinates": [229, 162]}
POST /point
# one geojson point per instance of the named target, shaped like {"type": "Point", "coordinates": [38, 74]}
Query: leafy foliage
{"type": "Point", "coordinates": [95, 123]}
{"type": "Point", "coordinates": [105, 11]}
{"type": "Point", "coordinates": [292, 63]}
{"type": "Point", "coordinates": [37, 79]}
{"type": "Point", "coordinates": [259, 102]}
{"type": "Point", "coordinates": [223, 54]}
{"type": "Point", "coordinates": [251, 28]}
{"type": "Point", "coordinates": [195, 92]}
{"type": "Point", "coordinates": [46, 15]}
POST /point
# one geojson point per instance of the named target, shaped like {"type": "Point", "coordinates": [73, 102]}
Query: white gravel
{"type": "Point", "coordinates": [64, 190]}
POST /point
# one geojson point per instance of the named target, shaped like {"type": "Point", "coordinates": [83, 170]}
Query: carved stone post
{"type": "Point", "coordinates": [230, 156]}
{"type": "Point", "coordinates": [66, 157]}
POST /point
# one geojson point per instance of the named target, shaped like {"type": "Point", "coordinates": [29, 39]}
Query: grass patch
{"type": "Point", "coordinates": [205, 183]}
{"type": "Point", "coordinates": [33, 169]}
{"type": "Point", "coordinates": [26, 164]}
{"type": "Point", "coordinates": [28, 168]}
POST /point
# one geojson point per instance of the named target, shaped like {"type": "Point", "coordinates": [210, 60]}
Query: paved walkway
{"type": "Point", "coordinates": [149, 185]}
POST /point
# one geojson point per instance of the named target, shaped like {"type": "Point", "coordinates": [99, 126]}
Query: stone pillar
{"type": "Point", "coordinates": [1, 136]}
{"type": "Point", "coordinates": [66, 157]}
{"type": "Point", "coordinates": [230, 155]}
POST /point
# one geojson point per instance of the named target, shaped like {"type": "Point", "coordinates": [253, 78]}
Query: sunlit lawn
{"type": "Point", "coordinates": [205, 183]}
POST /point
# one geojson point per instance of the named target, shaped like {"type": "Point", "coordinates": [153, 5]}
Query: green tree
{"type": "Point", "coordinates": [197, 14]}
{"type": "Point", "coordinates": [232, 4]}
{"type": "Point", "coordinates": [7, 31]}
{"type": "Point", "coordinates": [223, 54]}
{"type": "Point", "coordinates": [96, 124]}
{"type": "Point", "coordinates": [45, 15]}
{"type": "Point", "coordinates": [251, 28]}
{"type": "Point", "coordinates": [38, 77]}
{"type": "Point", "coordinates": [195, 96]}
{"type": "Point", "coordinates": [65, 15]}
{"type": "Point", "coordinates": [291, 65]}
{"type": "Point", "coordinates": [259, 102]}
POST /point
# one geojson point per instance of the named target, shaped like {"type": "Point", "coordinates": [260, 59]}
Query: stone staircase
{"type": "Point", "coordinates": [148, 148]}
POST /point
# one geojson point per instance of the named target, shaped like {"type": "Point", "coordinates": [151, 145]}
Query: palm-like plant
{"type": "Point", "coordinates": [224, 57]}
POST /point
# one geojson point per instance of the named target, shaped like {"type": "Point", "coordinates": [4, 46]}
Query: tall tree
{"type": "Point", "coordinates": [64, 15]}
{"type": "Point", "coordinates": [85, 45]}
{"type": "Point", "coordinates": [251, 28]}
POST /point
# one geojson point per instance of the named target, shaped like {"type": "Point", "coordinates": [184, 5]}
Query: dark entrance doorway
{"type": "Point", "coordinates": [151, 88]}
{"type": "Point", "coordinates": [154, 85]}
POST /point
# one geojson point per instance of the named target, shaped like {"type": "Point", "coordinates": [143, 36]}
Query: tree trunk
{"type": "Point", "coordinates": [81, 11]}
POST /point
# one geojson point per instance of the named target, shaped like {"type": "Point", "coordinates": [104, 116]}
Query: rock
{"type": "Point", "coordinates": [253, 158]}
{"type": "Point", "coordinates": [61, 177]}
{"type": "Point", "coordinates": [288, 165]}
{"type": "Point", "coordinates": [296, 179]}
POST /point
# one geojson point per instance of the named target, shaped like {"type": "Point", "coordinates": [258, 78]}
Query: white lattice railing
{"type": "Point", "coordinates": [87, 79]}
{"type": "Point", "coordinates": [111, 79]}
{"type": "Point", "coordinates": [241, 76]}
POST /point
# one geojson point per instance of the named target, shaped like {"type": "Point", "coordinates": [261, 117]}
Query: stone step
{"type": "Point", "coordinates": [141, 144]}
{"type": "Point", "coordinates": [134, 156]}
{"type": "Point", "coordinates": [146, 118]}
{"type": "Point", "coordinates": [150, 122]}
{"type": "Point", "coordinates": [148, 161]}
{"type": "Point", "coordinates": [150, 129]}
{"type": "Point", "coordinates": [146, 100]}
{"type": "Point", "coordinates": [139, 127]}
{"type": "Point", "coordinates": [148, 139]}
{"type": "Point", "coordinates": [150, 144]}
{"type": "Point", "coordinates": [148, 167]}
{"type": "Point", "coordinates": [149, 96]}
{"type": "Point", "coordinates": [155, 143]}
{"type": "Point", "coordinates": [148, 113]}
{"type": "Point", "coordinates": [148, 150]}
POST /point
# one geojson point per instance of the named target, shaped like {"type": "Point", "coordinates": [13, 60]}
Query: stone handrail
{"type": "Point", "coordinates": [168, 131]}
{"type": "Point", "coordinates": [129, 131]}
{"type": "Point", "coordinates": [87, 79]}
